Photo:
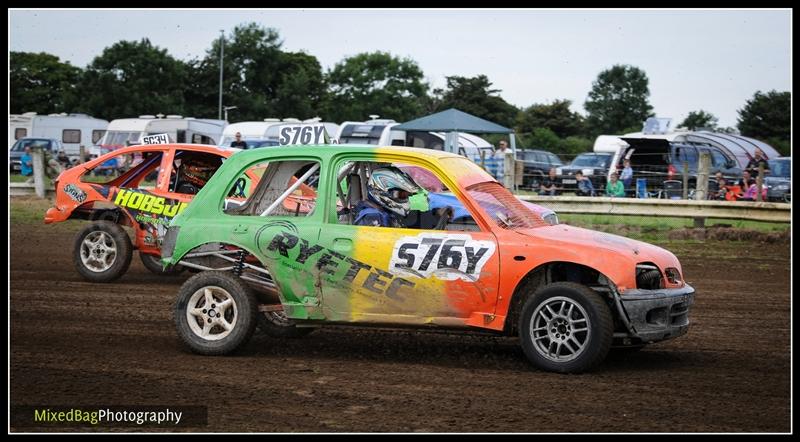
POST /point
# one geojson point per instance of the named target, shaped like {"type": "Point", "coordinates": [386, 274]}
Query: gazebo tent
{"type": "Point", "coordinates": [453, 121]}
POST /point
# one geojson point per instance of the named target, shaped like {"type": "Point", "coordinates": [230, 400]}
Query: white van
{"type": "Point", "coordinates": [72, 130]}
{"type": "Point", "coordinates": [382, 133]}
{"type": "Point", "coordinates": [130, 131]}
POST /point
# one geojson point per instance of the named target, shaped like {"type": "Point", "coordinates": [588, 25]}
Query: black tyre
{"type": "Point", "coordinates": [102, 251]}
{"type": "Point", "coordinates": [215, 313]}
{"type": "Point", "coordinates": [277, 325]}
{"type": "Point", "coordinates": [566, 328]}
{"type": "Point", "coordinates": [153, 263]}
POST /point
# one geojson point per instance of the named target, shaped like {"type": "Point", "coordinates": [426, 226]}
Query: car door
{"type": "Point", "coordinates": [413, 275]}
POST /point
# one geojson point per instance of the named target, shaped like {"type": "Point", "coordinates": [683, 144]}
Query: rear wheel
{"type": "Point", "coordinates": [565, 327]}
{"type": "Point", "coordinates": [102, 251]}
{"type": "Point", "coordinates": [153, 263]}
{"type": "Point", "coordinates": [215, 313]}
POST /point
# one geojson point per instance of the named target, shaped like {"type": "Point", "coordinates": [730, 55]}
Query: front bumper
{"type": "Point", "coordinates": [657, 315]}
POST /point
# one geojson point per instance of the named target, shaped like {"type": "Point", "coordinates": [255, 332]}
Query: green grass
{"type": "Point", "coordinates": [666, 223]}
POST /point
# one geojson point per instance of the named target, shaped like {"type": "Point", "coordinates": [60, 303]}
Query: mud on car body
{"type": "Point", "coordinates": [568, 293]}
{"type": "Point", "coordinates": [146, 187]}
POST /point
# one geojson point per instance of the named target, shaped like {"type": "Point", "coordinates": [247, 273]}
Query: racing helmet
{"type": "Point", "coordinates": [198, 172]}
{"type": "Point", "coordinates": [390, 187]}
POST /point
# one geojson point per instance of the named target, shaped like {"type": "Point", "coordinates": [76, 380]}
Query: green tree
{"type": "Point", "coordinates": [556, 116]}
{"type": "Point", "coordinates": [700, 119]}
{"type": "Point", "coordinates": [375, 83]}
{"type": "Point", "coordinates": [618, 100]}
{"type": "Point", "coordinates": [767, 117]}
{"type": "Point", "coordinates": [42, 83]}
{"type": "Point", "coordinates": [131, 78]}
{"type": "Point", "coordinates": [474, 95]}
{"type": "Point", "coordinates": [301, 87]}
{"type": "Point", "coordinates": [251, 75]}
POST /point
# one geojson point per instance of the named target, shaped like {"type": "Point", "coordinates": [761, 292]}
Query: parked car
{"type": "Point", "coordinates": [568, 293]}
{"type": "Point", "coordinates": [779, 179]}
{"type": "Point", "coordinates": [51, 145]}
{"type": "Point", "coordinates": [593, 165]}
{"type": "Point", "coordinates": [536, 166]}
{"type": "Point", "coordinates": [659, 160]}
{"type": "Point", "coordinates": [253, 144]}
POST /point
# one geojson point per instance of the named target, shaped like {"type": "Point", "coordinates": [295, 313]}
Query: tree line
{"type": "Point", "coordinates": [131, 78]}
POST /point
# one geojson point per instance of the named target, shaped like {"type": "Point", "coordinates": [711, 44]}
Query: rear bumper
{"type": "Point", "coordinates": [657, 315]}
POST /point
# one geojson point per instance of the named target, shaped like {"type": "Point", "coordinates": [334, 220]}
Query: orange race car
{"type": "Point", "coordinates": [141, 187]}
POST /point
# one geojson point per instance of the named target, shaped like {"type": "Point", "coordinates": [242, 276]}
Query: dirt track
{"type": "Point", "coordinates": [76, 343]}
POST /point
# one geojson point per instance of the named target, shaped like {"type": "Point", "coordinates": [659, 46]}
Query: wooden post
{"type": "Point", "coordinates": [82, 154]}
{"type": "Point", "coordinates": [703, 168]}
{"type": "Point", "coordinates": [508, 171]}
{"type": "Point", "coordinates": [760, 182]}
{"type": "Point", "coordinates": [38, 171]}
{"type": "Point", "coordinates": [685, 179]}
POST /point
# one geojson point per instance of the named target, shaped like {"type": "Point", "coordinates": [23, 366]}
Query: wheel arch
{"type": "Point", "coordinates": [547, 273]}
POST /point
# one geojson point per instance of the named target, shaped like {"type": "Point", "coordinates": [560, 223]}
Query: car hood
{"type": "Point", "coordinates": [613, 247]}
{"type": "Point", "coordinates": [772, 180]}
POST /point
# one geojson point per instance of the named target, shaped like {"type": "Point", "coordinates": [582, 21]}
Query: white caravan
{"type": "Point", "coordinates": [72, 130]}
{"type": "Point", "coordinates": [268, 129]}
{"type": "Point", "coordinates": [382, 133]}
{"type": "Point", "coordinates": [130, 131]}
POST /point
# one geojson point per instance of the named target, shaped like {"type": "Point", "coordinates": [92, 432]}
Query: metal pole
{"type": "Point", "coordinates": [221, 58]}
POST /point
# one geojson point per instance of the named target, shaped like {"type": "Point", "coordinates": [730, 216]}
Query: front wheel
{"type": "Point", "coordinates": [215, 313]}
{"type": "Point", "coordinates": [565, 327]}
{"type": "Point", "coordinates": [153, 263]}
{"type": "Point", "coordinates": [102, 251]}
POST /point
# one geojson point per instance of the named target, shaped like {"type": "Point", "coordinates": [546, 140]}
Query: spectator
{"type": "Point", "coordinates": [744, 181]}
{"type": "Point", "coordinates": [614, 187]}
{"type": "Point", "coordinates": [239, 143]}
{"type": "Point", "coordinates": [627, 174]}
{"type": "Point", "coordinates": [585, 187]}
{"type": "Point", "coordinates": [722, 187]}
{"type": "Point", "coordinates": [753, 164]}
{"type": "Point", "coordinates": [63, 159]}
{"type": "Point", "coordinates": [752, 191]}
{"type": "Point", "coordinates": [549, 185]}
{"type": "Point", "coordinates": [499, 160]}
{"type": "Point", "coordinates": [26, 162]}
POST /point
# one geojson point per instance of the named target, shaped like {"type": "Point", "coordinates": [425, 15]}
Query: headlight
{"type": "Point", "coordinates": [648, 277]}
{"type": "Point", "coordinates": [558, 171]}
{"type": "Point", "coordinates": [551, 218]}
{"type": "Point", "coordinates": [588, 171]}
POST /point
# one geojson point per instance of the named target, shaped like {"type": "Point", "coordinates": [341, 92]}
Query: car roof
{"type": "Point", "coordinates": [194, 147]}
{"type": "Point", "coordinates": [336, 149]}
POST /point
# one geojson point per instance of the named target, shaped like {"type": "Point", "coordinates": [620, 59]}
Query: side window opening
{"type": "Point", "coordinates": [397, 195]}
{"type": "Point", "coordinates": [192, 170]}
{"type": "Point", "coordinates": [127, 170]}
{"type": "Point", "coordinates": [283, 188]}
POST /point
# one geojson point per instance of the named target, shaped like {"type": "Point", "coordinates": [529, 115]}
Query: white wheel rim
{"type": "Point", "coordinates": [98, 251]}
{"type": "Point", "coordinates": [560, 329]}
{"type": "Point", "coordinates": [211, 313]}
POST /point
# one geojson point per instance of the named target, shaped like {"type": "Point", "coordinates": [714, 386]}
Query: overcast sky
{"type": "Point", "coordinates": [711, 60]}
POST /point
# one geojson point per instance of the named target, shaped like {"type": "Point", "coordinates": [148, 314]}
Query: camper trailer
{"type": "Point", "coordinates": [129, 131]}
{"type": "Point", "coordinates": [72, 130]}
{"type": "Point", "coordinates": [382, 133]}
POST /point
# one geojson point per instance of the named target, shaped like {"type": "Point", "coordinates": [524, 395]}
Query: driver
{"type": "Point", "coordinates": [195, 173]}
{"type": "Point", "coordinates": [387, 205]}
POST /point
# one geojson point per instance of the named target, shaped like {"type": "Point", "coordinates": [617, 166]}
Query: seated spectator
{"type": "Point", "coordinates": [585, 187]}
{"type": "Point", "coordinates": [549, 185]}
{"type": "Point", "coordinates": [614, 187]}
{"type": "Point", "coordinates": [744, 181]}
{"type": "Point", "coordinates": [722, 188]}
{"type": "Point", "coordinates": [627, 174]}
{"type": "Point", "coordinates": [752, 191]}
{"type": "Point", "coordinates": [63, 159]}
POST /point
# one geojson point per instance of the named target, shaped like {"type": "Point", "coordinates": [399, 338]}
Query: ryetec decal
{"type": "Point", "coordinates": [444, 256]}
{"type": "Point", "coordinates": [337, 267]}
{"type": "Point", "coordinates": [146, 202]}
